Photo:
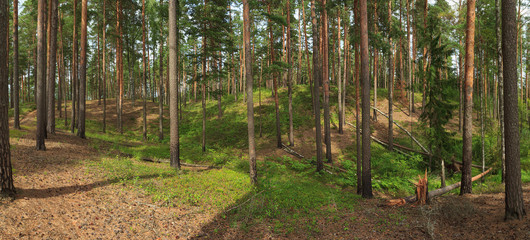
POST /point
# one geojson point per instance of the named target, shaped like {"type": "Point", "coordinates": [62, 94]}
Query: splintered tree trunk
{"type": "Point", "coordinates": [144, 75]}
{"type": "Point", "coordinates": [316, 94]}
{"type": "Point", "coordinates": [41, 75]}
{"type": "Point", "coordinates": [468, 99]}
{"type": "Point", "coordinates": [365, 78]}
{"type": "Point", "coordinates": [173, 85]}
{"type": "Point", "coordinates": [6, 174]}
{"type": "Point", "coordinates": [325, 80]}
{"type": "Point", "coordinates": [514, 193]}
{"type": "Point", "coordinates": [250, 81]}
{"type": "Point", "coordinates": [82, 74]}
{"type": "Point", "coordinates": [16, 79]}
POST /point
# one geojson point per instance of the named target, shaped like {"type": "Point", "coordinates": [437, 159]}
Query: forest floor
{"type": "Point", "coordinates": [73, 191]}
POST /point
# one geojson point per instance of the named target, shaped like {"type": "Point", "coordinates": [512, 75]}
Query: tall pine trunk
{"type": "Point", "coordinates": [514, 208]}
{"type": "Point", "coordinates": [83, 70]}
{"type": "Point", "coordinates": [16, 80]}
{"type": "Point", "coordinates": [468, 99]}
{"type": "Point", "coordinates": [6, 172]}
{"type": "Point", "coordinates": [173, 86]}
{"type": "Point", "coordinates": [41, 75]}
{"type": "Point", "coordinates": [250, 103]}
{"type": "Point", "coordinates": [144, 75]}
{"type": "Point", "coordinates": [316, 94]}
{"type": "Point", "coordinates": [365, 78]}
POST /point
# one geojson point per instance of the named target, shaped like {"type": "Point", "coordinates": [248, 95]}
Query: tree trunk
{"type": "Point", "coordinates": [15, 66]}
{"type": "Point", "coordinates": [144, 71]}
{"type": "Point", "coordinates": [365, 78]}
{"type": "Point", "coordinates": [468, 99]}
{"type": "Point", "coordinates": [390, 85]}
{"type": "Point", "coordinates": [325, 80]}
{"type": "Point", "coordinates": [74, 68]}
{"type": "Point", "coordinates": [376, 61]}
{"type": "Point", "coordinates": [82, 80]}
{"type": "Point", "coordinates": [104, 48]}
{"type": "Point", "coordinates": [119, 65]}
{"type": "Point", "coordinates": [250, 81]}
{"type": "Point", "coordinates": [173, 86]}
{"type": "Point", "coordinates": [500, 81]}
{"type": "Point", "coordinates": [6, 173]}
{"type": "Point", "coordinates": [161, 88]}
{"type": "Point", "coordinates": [316, 94]}
{"type": "Point", "coordinates": [41, 75]}
{"type": "Point", "coordinates": [339, 79]}
{"type": "Point", "coordinates": [357, 100]}
{"type": "Point", "coordinates": [60, 69]}
{"type": "Point", "coordinates": [289, 75]}
{"type": "Point", "coordinates": [513, 193]}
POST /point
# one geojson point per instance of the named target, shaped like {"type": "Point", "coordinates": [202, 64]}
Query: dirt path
{"type": "Point", "coordinates": [59, 196]}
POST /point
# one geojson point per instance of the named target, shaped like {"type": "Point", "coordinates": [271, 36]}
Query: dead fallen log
{"type": "Point", "coordinates": [435, 193]}
{"type": "Point", "coordinates": [159, 160]}
{"type": "Point", "coordinates": [405, 130]}
{"type": "Point", "coordinates": [291, 151]}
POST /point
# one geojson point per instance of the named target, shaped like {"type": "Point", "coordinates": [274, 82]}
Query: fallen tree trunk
{"type": "Point", "coordinates": [406, 131]}
{"type": "Point", "coordinates": [291, 151]}
{"type": "Point", "coordinates": [435, 193]}
{"type": "Point", "coordinates": [158, 160]}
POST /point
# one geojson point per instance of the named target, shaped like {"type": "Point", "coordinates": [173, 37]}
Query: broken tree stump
{"type": "Point", "coordinates": [434, 193]}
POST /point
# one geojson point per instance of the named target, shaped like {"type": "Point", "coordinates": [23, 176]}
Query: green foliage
{"type": "Point", "coordinates": [439, 108]}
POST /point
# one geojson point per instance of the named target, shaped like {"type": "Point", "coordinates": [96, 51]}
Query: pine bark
{"type": "Point", "coordinates": [514, 208]}
{"type": "Point", "coordinates": [119, 66]}
{"type": "Point", "coordinates": [52, 51]}
{"type": "Point", "coordinates": [6, 174]}
{"type": "Point", "coordinates": [316, 94]}
{"type": "Point", "coordinates": [249, 85]}
{"type": "Point", "coordinates": [325, 80]}
{"type": "Point", "coordinates": [83, 70]}
{"type": "Point", "coordinates": [468, 99]}
{"type": "Point", "coordinates": [16, 78]}
{"type": "Point", "coordinates": [289, 74]}
{"type": "Point", "coordinates": [161, 88]}
{"type": "Point", "coordinates": [390, 85]}
{"type": "Point", "coordinates": [144, 75]}
{"type": "Point", "coordinates": [173, 86]}
{"type": "Point", "coordinates": [41, 75]}
{"type": "Point", "coordinates": [104, 48]}
{"type": "Point", "coordinates": [74, 68]}
{"type": "Point", "coordinates": [365, 78]}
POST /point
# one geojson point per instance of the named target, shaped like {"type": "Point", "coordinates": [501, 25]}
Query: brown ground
{"type": "Point", "coordinates": [59, 198]}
